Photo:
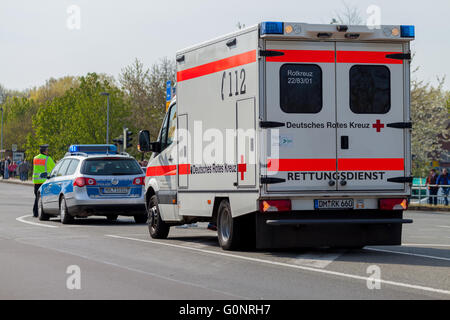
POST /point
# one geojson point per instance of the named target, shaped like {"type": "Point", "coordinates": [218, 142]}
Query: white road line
{"type": "Point", "coordinates": [340, 274]}
{"type": "Point", "coordinates": [444, 227]}
{"type": "Point", "coordinates": [409, 254]}
{"type": "Point", "coordinates": [22, 219]}
{"type": "Point", "coordinates": [425, 245]}
{"type": "Point", "coordinates": [315, 260]}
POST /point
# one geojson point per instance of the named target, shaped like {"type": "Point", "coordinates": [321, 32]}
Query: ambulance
{"type": "Point", "coordinates": [287, 135]}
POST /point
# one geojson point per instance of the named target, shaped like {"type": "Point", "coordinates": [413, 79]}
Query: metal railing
{"type": "Point", "coordinates": [423, 195]}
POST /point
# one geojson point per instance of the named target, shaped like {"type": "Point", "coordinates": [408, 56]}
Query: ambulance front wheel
{"type": "Point", "coordinates": [156, 226]}
{"type": "Point", "coordinates": [229, 230]}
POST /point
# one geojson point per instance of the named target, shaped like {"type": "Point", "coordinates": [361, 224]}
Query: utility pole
{"type": "Point", "coordinates": [107, 115]}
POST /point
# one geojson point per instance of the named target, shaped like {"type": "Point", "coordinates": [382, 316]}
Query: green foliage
{"type": "Point", "coordinates": [78, 116]}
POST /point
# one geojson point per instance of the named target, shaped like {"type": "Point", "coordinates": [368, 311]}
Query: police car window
{"type": "Point", "coordinates": [301, 88]}
{"type": "Point", "coordinates": [72, 167]}
{"type": "Point", "coordinates": [111, 167]}
{"type": "Point", "coordinates": [56, 168]}
{"type": "Point", "coordinates": [63, 168]}
{"type": "Point", "coordinates": [370, 89]}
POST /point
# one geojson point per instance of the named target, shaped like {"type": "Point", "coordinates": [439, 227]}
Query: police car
{"type": "Point", "coordinates": [94, 180]}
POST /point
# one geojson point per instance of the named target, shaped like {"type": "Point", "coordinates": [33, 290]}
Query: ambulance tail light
{"type": "Point", "coordinates": [82, 182]}
{"type": "Point", "coordinates": [272, 28]}
{"type": "Point", "coordinates": [393, 204]}
{"type": "Point", "coordinates": [139, 181]}
{"type": "Point", "coordinates": [407, 31]}
{"type": "Point", "coordinates": [275, 205]}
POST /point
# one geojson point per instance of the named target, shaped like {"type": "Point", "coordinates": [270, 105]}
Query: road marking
{"type": "Point", "coordinates": [409, 254]}
{"type": "Point", "coordinates": [444, 227]}
{"type": "Point", "coordinates": [281, 264]}
{"type": "Point", "coordinates": [315, 260]}
{"type": "Point", "coordinates": [425, 245]}
{"type": "Point", "coordinates": [22, 219]}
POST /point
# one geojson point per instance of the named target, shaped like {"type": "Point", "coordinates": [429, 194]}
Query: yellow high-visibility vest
{"type": "Point", "coordinates": [41, 164]}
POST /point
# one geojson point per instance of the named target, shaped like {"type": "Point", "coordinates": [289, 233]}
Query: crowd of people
{"type": "Point", "coordinates": [13, 169]}
{"type": "Point", "coordinates": [436, 181]}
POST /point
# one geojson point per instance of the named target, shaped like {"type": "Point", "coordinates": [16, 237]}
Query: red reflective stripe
{"type": "Point", "coordinates": [282, 165]}
{"type": "Point", "coordinates": [39, 162]}
{"type": "Point", "coordinates": [317, 56]}
{"type": "Point", "coordinates": [184, 169]}
{"type": "Point", "coordinates": [374, 57]}
{"type": "Point", "coordinates": [216, 66]}
{"type": "Point", "coordinates": [161, 171]}
{"type": "Point", "coordinates": [371, 164]}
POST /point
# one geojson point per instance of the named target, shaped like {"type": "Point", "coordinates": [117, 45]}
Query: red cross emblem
{"type": "Point", "coordinates": [242, 168]}
{"type": "Point", "coordinates": [378, 126]}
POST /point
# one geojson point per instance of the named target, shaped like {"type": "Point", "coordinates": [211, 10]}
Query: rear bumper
{"type": "Point", "coordinates": [329, 229]}
{"type": "Point", "coordinates": [105, 209]}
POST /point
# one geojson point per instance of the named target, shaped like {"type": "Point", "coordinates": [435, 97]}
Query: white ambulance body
{"type": "Point", "coordinates": [288, 135]}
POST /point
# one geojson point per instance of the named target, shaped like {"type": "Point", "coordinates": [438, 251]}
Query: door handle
{"type": "Point", "coordinates": [344, 142]}
{"type": "Point", "coordinates": [332, 183]}
{"type": "Point", "coordinates": [343, 183]}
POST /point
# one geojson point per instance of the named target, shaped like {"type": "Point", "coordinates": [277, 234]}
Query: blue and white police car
{"type": "Point", "coordinates": [94, 180]}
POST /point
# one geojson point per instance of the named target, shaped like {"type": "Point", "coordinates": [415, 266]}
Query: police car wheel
{"type": "Point", "coordinates": [228, 228]}
{"type": "Point", "coordinates": [66, 218]}
{"type": "Point", "coordinates": [156, 226]}
{"type": "Point", "coordinates": [41, 214]}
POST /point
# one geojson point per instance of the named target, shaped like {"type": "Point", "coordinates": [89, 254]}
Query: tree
{"type": "Point", "coordinates": [430, 116]}
{"type": "Point", "coordinates": [145, 90]}
{"type": "Point", "coordinates": [349, 15]}
{"type": "Point", "coordinates": [78, 117]}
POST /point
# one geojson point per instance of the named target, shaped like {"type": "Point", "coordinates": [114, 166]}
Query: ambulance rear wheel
{"type": "Point", "coordinates": [156, 226]}
{"type": "Point", "coordinates": [229, 230]}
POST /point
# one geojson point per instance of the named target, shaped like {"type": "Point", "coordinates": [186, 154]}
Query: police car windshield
{"type": "Point", "coordinates": [111, 167]}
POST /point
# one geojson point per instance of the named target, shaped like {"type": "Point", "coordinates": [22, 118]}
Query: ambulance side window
{"type": "Point", "coordinates": [301, 88]}
{"type": "Point", "coordinates": [370, 89]}
{"type": "Point", "coordinates": [168, 131]}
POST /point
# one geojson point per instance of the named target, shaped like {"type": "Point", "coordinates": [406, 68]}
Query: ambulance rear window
{"type": "Point", "coordinates": [370, 89]}
{"type": "Point", "coordinates": [301, 88]}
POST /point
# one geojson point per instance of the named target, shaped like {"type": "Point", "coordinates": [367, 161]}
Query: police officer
{"type": "Point", "coordinates": [42, 163]}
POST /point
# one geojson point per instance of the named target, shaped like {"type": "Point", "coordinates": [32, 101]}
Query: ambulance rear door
{"type": "Point", "coordinates": [301, 105]}
{"type": "Point", "coordinates": [371, 116]}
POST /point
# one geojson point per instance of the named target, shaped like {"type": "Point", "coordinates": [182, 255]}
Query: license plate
{"type": "Point", "coordinates": [115, 190]}
{"type": "Point", "coordinates": [329, 204]}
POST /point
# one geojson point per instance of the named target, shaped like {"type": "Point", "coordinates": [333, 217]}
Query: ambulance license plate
{"type": "Point", "coordinates": [330, 204]}
{"type": "Point", "coordinates": [115, 190]}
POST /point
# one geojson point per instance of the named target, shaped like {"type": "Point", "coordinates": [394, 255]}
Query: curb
{"type": "Point", "coordinates": [10, 181]}
{"type": "Point", "coordinates": [426, 208]}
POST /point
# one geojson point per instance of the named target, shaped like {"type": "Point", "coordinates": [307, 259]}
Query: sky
{"type": "Point", "coordinates": [40, 39]}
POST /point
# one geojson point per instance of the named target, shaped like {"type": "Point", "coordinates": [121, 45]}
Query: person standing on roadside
{"type": "Point", "coordinates": [24, 167]}
{"type": "Point", "coordinates": [432, 187]}
{"type": "Point", "coordinates": [43, 164]}
{"type": "Point", "coordinates": [444, 180]}
{"type": "Point", "coordinates": [6, 168]}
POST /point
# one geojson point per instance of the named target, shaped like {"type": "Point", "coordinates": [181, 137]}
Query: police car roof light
{"type": "Point", "coordinates": [407, 31]}
{"type": "Point", "coordinates": [93, 148]}
{"type": "Point", "coordinates": [272, 28]}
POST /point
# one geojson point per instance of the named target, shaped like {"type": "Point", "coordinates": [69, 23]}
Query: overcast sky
{"type": "Point", "coordinates": [36, 43]}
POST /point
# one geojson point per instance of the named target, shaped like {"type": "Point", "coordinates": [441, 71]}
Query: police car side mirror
{"type": "Point", "coordinates": [144, 141]}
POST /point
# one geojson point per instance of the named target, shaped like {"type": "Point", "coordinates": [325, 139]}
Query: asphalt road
{"type": "Point", "coordinates": [120, 261]}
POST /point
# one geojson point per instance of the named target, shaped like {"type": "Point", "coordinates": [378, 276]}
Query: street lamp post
{"type": "Point", "coordinates": [107, 115]}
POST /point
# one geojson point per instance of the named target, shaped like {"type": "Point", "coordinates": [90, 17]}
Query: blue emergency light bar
{"type": "Point", "coordinates": [93, 148]}
{"type": "Point", "coordinates": [407, 31]}
{"type": "Point", "coordinates": [272, 28]}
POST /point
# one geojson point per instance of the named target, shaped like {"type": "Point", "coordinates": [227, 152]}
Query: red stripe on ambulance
{"type": "Point", "coordinates": [372, 57]}
{"type": "Point", "coordinates": [217, 66]}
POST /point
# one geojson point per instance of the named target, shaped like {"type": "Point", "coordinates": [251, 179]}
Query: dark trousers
{"type": "Point", "coordinates": [36, 199]}
{"type": "Point", "coordinates": [432, 199]}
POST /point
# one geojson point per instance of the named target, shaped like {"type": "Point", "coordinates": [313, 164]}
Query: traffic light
{"type": "Point", "coordinates": [127, 139]}
{"type": "Point", "coordinates": [118, 141]}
